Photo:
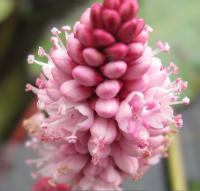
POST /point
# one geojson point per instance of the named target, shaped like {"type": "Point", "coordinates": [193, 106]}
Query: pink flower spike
{"type": "Point", "coordinates": [105, 101]}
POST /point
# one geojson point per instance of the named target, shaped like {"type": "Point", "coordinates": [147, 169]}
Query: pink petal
{"type": "Point", "coordinates": [108, 89]}
{"type": "Point", "coordinates": [84, 35]}
{"type": "Point", "coordinates": [76, 162]}
{"type": "Point", "coordinates": [135, 51]}
{"type": "Point", "coordinates": [111, 4]}
{"type": "Point", "coordinates": [59, 76]}
{"type": "Point", "coordinates": [131, 148]}
{"type": "Point", "coordinates": [54, 94]}
{"type": "Point", "coordinates": [114, 70]}
{"type": "Point", "coordinates": [74, 91]}
{"type": "Point", "coordinates": [142, 37]}
{"type": "Point", "coordinates": [74, 49]}
{"type": "Point", "coordinates": [86, 111]}
{"type": "Point", "coordinates": [85, 18]}
{"type": "Point", "coordinates": [137, 70]}
{"type": "Point", "coordinates": [128, 10]}
{"type": "Point", "coordinates": [86, 76]}
{"type": "Point", "coordinates": [95, 15]}
{"type": "Point", "coordinates": [111, 20]}
{"type": "Point", "coordinates": [106, 108]}
{"type": "Point", "coordinates": [123, 115]}
{"type": "Point", "coordinates": [104, 129]}
{"type": "Point", "coordinates": [102, 38]}
{"type": "Point", "coordinates": [62, 60]}
{"type": "Point", "coordinates": [139, 84]}
{"type": "Point", "coordinates": [111, 175]}
{"type": "Point", "coordinates": [158, 79]}
{"type": "Point", "coordinates": [127, 30]}
{"type": "Point", "coordinates": [93, 57]}
{"type": "Point", "coordinates": [127, 163]}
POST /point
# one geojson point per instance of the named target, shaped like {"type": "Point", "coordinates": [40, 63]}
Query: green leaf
{"type": "Point", "coordinates": [6, 8]}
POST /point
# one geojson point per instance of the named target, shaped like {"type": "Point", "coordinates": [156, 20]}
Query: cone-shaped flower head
{"type": "Point", "coordinates": [105, 100]}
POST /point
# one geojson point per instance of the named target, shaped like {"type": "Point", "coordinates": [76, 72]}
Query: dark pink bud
{"type": "Point", "coordinates": [75, 49]}
{"type": "Point", "coordinates": [129, 10]}
{"type": "Point", "coordinates": [111, 20]}
{"type": "Point", "coordinates": [84, 35]}
{"type": "Point", "coordinates": [95, 15]}
{"type": "Point", "coordinates": [74, 91]}
{"type": "Point", "coordinates": [102, 38]}
{"type": "Point", "coordinates": [114, 70]}
{"type": "Point", "coordinates": [111, 4]}
{"type": "Point", "coordinates": [93, 57]}
{"type": "Point", "coordinates": [62, 60]}
{"type": "Point", "coordinates": [135, 51]}
{"type": "Point", "coordinates": [142, 37]}
{"type": "Point", "coordinates": [106, 108]}
{"type": "Point", "coordinates": [86, 75]}
{"type": "Point", "coordinates": [108, 89]}
{"type": "Point", "coordinates": [116, 52]}
{"type": "Point", "coordinates": [137, 70]}
{"type": "Point", "coordinates": [127, 30]}
{"type": "Point", "coordinates": [140, 27]}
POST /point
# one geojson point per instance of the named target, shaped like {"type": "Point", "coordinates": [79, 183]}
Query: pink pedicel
{"type": "Point", "coordinates": [105, 102]}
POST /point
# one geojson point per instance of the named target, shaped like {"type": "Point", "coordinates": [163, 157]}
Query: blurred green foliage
{"type": "Point", "coordinates": [177, 22]}
{"type": "Point", "coordinates": [194, 186]}
{"type": "Point", "coordinates": [6, 8]}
